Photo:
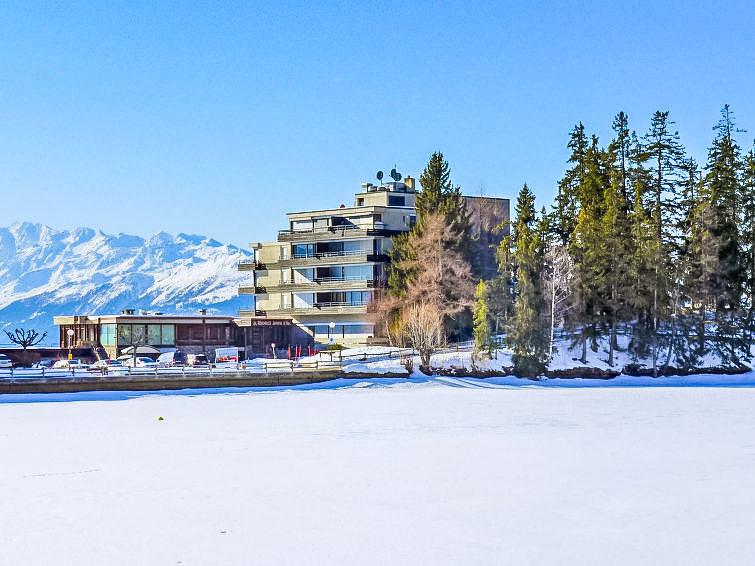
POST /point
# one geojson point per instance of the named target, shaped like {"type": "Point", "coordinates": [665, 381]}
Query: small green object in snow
{"type": "Point", "coordinates": [160, 419]}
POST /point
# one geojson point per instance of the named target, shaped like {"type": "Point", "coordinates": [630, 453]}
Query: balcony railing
{"type": "Point", "coordinates": [337, 232]}
{"type": "Point", "coordinates": [321, 308]}
{"type": "Point", "coordinates": [330, 254]}
{"type": "Point", "coordinates": [329, 258]}
{"type": "Point", "coordinates": [252, 290]}
{"type": "Point", "coordinates": [250, 265]}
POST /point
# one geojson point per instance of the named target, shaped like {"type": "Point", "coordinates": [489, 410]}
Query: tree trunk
{"type": "Point", "coordinates": [553, 314]}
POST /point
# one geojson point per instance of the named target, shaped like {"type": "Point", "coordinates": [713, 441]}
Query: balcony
{"type": "Point", "coordinates": [251, 265]}
{"type": "Point", "coordinates": [336, 233]}
{"type": "Point", "coordinates": [249, 311]}
{"type": "Point", "coordinates": [321, 284]}
{"type": "Point", "coordinates": [330, 258]}
{"type": "Point", "coordinates": [319, 309]}
{"type": "Point", "coordinates": [254, 290]}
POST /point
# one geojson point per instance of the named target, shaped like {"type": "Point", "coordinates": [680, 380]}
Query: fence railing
{"type": "Point", "coordinates": [327, 360]}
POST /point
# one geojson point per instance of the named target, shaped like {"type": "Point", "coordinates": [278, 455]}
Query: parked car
{"type": "Point", "coordinates": [5, 361]}
{"type": "Point", "coordinates": [173, 359]}
{"type": "Point", "coordinates": [198, 360]}
{"type": "Point", "coordinates": [70, 364]}
{"type": "Point", "coordinates": [43, 364]}
{"type": "Point", "coordinates": [104, 366]}
{"type": "Point", "coordinates": [140, 362]}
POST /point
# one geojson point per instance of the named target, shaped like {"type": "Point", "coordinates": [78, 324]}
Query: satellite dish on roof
{"type": "Point", "coordinates": [380, 176]}
{"type": "Point", "coordinates": [395, 175]}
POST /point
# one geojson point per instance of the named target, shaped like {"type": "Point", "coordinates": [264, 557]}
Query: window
{"type": "Point", "coordinates": [357, 329]}
{"type": "Point", "coordinates": [107, 335]}
{"type": "Point", "coordinates": [360, 202]}
{"type": "Point", "coordinates": [168, 334]}
{"type": "Point", "coordinates": [154, 335]}
{"type": "Point", "coordinates": [304, 250]}
{"type": "Point", "coordinates": [124, 334]}
{"type": "Point", "coordinates": [139, 333]}
{"type": "Point", "coordinates": [395, 201]}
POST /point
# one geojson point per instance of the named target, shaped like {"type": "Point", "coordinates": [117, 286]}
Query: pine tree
{"type": "Point", "coordinates": [567, 200]}
{"type": "Point", "coordinates": [615, 258]}
{"type": "Point", "coordinates": [621, 149]}
{"type": "Point", "coordinates": [748, 231]}
{"type": "Point", "coordinates": [585, 247]}
{"type": "Point", "coordinates": [526, 336]}
{"type": "Point", "coordinates": [724, 181]}
{"type": "Point", "coordinates": [438, 196]}
{"type": "Point", "coordinates": [663, 155]}
{"type": "Point", "coordinates": [481, 317]}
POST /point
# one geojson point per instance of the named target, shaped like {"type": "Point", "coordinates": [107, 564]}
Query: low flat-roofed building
{"type": "Point", "coordinates": [109, 335]}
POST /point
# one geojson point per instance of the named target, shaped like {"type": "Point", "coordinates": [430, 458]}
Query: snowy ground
{"type": "Point", "coordinates": [434, 471]}
{"type": "Point", "coordinates": [382, 359]}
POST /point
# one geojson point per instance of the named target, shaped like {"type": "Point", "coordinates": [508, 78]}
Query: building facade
{"type": "Point", "coordinates": [325, 266]}
{"type": "Point", "coordinates": [107, 336]}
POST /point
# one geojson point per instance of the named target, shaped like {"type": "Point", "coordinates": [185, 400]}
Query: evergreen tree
{"type": "Point", "coordinates": [526, 335]}
{"type": "Point", "coordinates": [585, 247]}
{"type": "Point", "coordinates": [481, 317]}
{"type": "Point", "coordinates": [616, 253]}
{"type": "Point", "coordinates": [567, 200]}
{"type": "Point", "coordinates": [723, 181]}
{"type": "Point", "coordinates": [438, 196]}
{"type": "Point", "coordinates": [748, 231]}
{"type": "Point", "coordinates": [621, 149]}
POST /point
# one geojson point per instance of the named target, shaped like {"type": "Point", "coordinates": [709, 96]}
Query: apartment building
{"type": "Point", "coordinates": [325, 266]}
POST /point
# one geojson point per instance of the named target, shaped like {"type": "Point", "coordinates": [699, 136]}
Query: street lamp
{"type": "Point", "coordinates": [331, 326]}
{"type": "Point", "coordinates": [70, 333]}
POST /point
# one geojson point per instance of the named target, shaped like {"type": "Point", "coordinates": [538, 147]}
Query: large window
{"type": "Point", "coordinates": [304, 250]}
{"type": "Point", "coordinates": [107, 334]}
{"type": "Point", "coordinates": [154, 334]}
{"type": "Point", "coordinates": [358, 329]}
{"type": "Point", "coordinates": [124, 334]}
{"type": "Point", "coordinates": [169, 335]}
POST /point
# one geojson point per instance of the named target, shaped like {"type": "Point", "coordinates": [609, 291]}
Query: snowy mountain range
{"type": "Point", "coordinates": [45, 272]}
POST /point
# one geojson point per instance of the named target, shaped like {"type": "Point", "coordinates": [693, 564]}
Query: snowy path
{"type": "Point", "coordinates": [404, 473]}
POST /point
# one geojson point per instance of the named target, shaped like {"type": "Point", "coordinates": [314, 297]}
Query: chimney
{"type": "Point", "coordinates": [409, 182]}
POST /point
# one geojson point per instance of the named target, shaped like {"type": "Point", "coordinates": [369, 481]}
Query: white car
{"type": "Point", "coordinates": [70, 364]}
{"type": "Point", "coordinates": [140, 362]}
{"type": "Point", "coordinates": [5, 362]}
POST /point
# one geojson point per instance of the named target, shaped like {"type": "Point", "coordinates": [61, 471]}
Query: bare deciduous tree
{"type": "Point", "coordinates": [25, 338]}
{"type": "Point", "coordinates": [422, 324]}
{"type": "Point", "coordinates": [557, 288]}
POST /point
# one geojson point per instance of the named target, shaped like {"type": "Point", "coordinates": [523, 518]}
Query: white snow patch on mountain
{"type": "Point", "coordinates": [46, 272]}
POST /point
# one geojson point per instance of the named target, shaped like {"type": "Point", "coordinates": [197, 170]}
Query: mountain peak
{"type": "Point", "coordinates": [44, 272]}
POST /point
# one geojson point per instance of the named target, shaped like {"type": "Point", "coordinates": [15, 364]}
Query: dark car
{"type": "Point", "coordinates": [197, 360]}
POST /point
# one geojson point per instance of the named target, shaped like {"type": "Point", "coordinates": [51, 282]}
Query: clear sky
{"type": "Point", "coordinates": [217, 119]}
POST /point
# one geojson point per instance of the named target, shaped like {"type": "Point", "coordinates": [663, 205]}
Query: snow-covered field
{"type": "Point", "coordinates": [434, 471]}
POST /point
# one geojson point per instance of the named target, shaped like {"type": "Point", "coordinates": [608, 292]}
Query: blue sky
{"type": "Point", "coordinates": [199, 118]}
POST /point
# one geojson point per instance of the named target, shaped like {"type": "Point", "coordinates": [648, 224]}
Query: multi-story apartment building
{"type": "Point", "coordinates": [326, 265]}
